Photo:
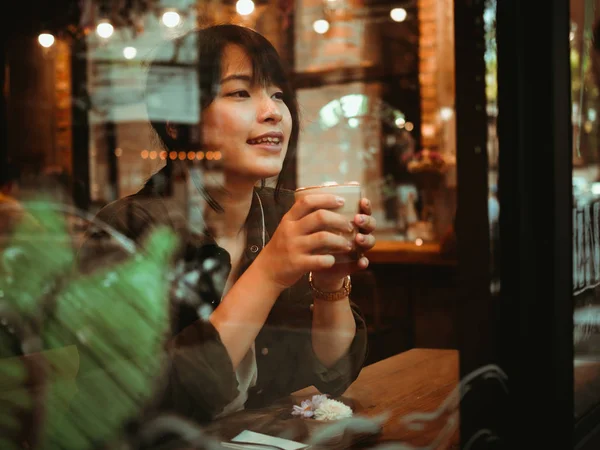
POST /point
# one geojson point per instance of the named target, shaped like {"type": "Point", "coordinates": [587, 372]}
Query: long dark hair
{"type": "Point", "coordinates": [210, 44]}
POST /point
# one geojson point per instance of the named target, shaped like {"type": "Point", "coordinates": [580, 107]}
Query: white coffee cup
{"type": "Point", "coordinates": [351, 192]}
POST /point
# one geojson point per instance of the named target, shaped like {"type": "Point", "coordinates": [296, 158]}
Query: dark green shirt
{"type": "Point", "coordinates": [201, 378]}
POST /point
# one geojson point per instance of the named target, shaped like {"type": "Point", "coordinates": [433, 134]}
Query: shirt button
{"type": "Point", "coordinates": [265, 351]}
{"type": "Point", "coordinates": [254, 248]}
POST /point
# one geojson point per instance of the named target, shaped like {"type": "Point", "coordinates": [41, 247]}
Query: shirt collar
{"type": "Point", "coordinates": [255, 227]}
{"type": "Point", "coordinates": [255, 223]}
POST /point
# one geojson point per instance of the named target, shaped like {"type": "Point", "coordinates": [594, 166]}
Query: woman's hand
{"type": "Point", "coordinates": [306, 238]}
{"type": "Point", "coordinates": [331, 279]}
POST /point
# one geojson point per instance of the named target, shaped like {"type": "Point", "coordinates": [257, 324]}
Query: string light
{"type": "Point", "coordinates": [171, 19]}
{"type": "Point", "coordinates": [446, 113]}
{"type": "Point", "coordinates": [398, 14]}
{"type": "Point", "coordinates": [321, 26]}
{"type": "Point", "coordinates": [244, 7]}
{"type": "Point", "coordinates": [104, 29]}
{"type": "Point", "coordinates": [129, 52]}
{"type": "Point", "coordinates": [46, 40]}
{"type": "Point", "coordinates": [427, 130]}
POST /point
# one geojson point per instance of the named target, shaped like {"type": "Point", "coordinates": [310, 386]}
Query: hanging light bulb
{"type": "Point", "coordinates": [46, 40]}
{"type": "Point", "coordinates": [321, 26]}
{"type": "Point", "coordinates": [171, 19]}
{"type": "Point", "coordinates": [129, 52]}
{"type": "Point", "coordinates": [244, 7]}
{"type": "Point", "coordinates": [446, 113]}
{"type": "Point", "coordinates": [353, 122]}
{"type": "Point", "coordinates": [398, 14]}
{"type": "Point", "coordinates": [104, 29]}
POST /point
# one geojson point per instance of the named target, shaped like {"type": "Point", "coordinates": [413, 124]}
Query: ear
{"type": "Point", "coordinates": [172, 130]}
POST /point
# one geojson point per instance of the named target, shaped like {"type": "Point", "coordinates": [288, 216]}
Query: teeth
{"type": "Point", "coordinates": [273, 140]}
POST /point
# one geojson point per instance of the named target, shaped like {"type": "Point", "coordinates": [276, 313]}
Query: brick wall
{"type": "Point", "coordinates": [436, 78]}
{"type": "Point", "coordinates": [436, 74]}
{"type": "Point", "coordinates": [63, 111]}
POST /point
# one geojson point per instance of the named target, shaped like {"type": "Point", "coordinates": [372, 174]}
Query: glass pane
{"type": "Point", "coordinates": [152, 246]}
{"type": "Point", "coordinates": [491, 81]}
{"type": "Point", "coordinates": [586, 200]}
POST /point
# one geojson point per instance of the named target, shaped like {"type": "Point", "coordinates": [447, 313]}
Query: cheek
{"type": "Point", "coordinates": [219, 127]}
{"type": "Point", "coordinates": [287, 124]}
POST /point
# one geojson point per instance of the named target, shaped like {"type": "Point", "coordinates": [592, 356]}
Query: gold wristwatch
{"type": "Point", "coordinates": [331, 296]}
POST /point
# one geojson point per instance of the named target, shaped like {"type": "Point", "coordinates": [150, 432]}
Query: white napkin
{"type": "Point", "coordinates": [262, 439]}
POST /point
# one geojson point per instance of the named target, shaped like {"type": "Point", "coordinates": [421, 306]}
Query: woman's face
{"type": "Point", "coordinates": [249, 124]}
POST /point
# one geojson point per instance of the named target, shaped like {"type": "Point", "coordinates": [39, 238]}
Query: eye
{"type": "Point", "coordinates": [239, 94]}
{"type": "Point", "coordinates": [278, 95]}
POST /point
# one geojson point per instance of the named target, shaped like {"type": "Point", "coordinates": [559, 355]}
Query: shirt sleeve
{"type": "Point", "coordinates": [200, 379]}
{"type": "Point", "coordinates": [336, 379]}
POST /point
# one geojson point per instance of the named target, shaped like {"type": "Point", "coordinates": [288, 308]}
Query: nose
{"type": "Point", "coordinates": [269, 110]}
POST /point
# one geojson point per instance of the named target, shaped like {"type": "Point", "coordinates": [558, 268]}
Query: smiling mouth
{"type": "Point", "coordinates": [265, 140]}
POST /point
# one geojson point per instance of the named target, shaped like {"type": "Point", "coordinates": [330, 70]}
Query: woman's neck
{"type": "Point", "coordinates": [235, 201]}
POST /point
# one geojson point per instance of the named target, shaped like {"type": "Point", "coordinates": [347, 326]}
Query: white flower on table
{"type": "Point", "coordinates": [316, 400]}
{"type": "Point", "coordinates": [330, 409]}
{"type": "Point", "coordinates": [304, 410]}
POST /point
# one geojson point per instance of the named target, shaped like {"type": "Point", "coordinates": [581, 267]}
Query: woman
{"type": "Point", "coordinates": [272, 331]}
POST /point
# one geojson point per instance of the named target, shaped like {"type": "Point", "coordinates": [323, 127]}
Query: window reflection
{"type": "Point", "coordinates": [586, 204]}
{"type": "Point", "coordinates": [489, 19]}
{"type": "Point", "coordinates": [107, 112]}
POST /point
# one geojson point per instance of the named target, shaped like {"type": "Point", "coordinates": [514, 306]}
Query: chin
{"type": "Point", "coordinates": [254, 169]}
{"type": "Point", "coordinates": [269, 174]}
{"type": "Point", "coordinates": [267, 170]}
{"type": "Point", "coordinates": [254, 176]}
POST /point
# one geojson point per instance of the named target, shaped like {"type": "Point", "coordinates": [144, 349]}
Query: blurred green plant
{"type": "Point", "coordinates": [80, 354]}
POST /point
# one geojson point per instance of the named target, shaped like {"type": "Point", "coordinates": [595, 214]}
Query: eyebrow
{"type": "Point", "coordinates": [236, 77]}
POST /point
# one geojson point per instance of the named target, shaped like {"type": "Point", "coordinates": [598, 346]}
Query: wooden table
{"type": "Point", "coordinates": [400, 252]}
{"type": "Point", "coordinates": [402, 386]}
{"type": "Point", "coordinates": [415, 381]}
{"type": "Point", "coordinates": [586, 385]}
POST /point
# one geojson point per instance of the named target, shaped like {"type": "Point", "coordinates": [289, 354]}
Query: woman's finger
{"type": "Point", "coordinates": [316, 262]}
{"type": "Point", "coordinates": [365, 223]}
{"type": "Point", "coordinates": [363, 262]}
{"type": "Point", "coordinates": [309, 203]}
{"type": "Point", "coordinates": [323, 219]}
{"type": "Point", "coordinates": [325, 242]}
{"type": "Point", "coordinates": [365, 206]}
{"type": "Point", "coordinates": [365, 241]}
